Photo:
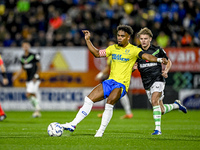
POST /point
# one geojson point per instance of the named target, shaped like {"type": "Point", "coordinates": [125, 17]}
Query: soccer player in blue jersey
{"type": "Point", "coordinates": [153, 78]}
{"type": "Point", "coordinates": [124, 56]}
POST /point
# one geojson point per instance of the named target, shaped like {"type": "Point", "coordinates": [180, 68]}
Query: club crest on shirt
{"type": "Point", "coordinates": [127, 51]}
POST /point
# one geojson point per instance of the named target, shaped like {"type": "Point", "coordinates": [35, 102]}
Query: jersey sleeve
{"type": "Point", "coordinates": [139, 52]}
{"type": "Point", "coordinates": [1, 61]}
{"type": "Point", "coordinates": [109, 60]}
{"type": "Point", "coordinates": [163, 53]}
{"type": "Point", "coordinates": [108, 51]}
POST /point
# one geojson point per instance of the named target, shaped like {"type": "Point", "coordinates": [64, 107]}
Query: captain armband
{"type": "Point", "coordinates": [102, 53]}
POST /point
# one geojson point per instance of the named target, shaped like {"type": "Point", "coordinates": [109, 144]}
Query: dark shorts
{"type": "Point", "coordinates": [110, 85]}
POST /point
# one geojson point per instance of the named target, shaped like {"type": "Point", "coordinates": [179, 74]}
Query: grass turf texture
{"type": "Point", "coordinates": [179, 131]}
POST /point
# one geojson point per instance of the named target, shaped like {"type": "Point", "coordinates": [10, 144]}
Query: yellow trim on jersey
{"type": "Point", "coordinates": [123, 59]}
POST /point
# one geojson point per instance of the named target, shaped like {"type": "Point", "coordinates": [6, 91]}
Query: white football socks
{"type": "Point", "coordinates": [170, 107]}
{"type": "Point", "coordinates": [157, 117]}
{"type": "Point", "coordinates": [126, 104]}
{"type": "Point", "coordinates": [107, 115]}
{"type": "Point", "coordinates": [83, 111]}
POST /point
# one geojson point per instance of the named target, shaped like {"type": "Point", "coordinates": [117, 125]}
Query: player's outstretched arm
{"type": "Point", "coordinates": [104, 72]}
{"type": "Point", "coordinates": [91, 47]}
{"type": "Point", "coordinates": [167, 68]}
{"type": "Point", "coordinates": [36, 75]}
{"type": "Point", "coordinates": [152, 58]}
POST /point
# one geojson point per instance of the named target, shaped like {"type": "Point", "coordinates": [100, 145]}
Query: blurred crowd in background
{"type": "Point", "coordinates": [174, 23]}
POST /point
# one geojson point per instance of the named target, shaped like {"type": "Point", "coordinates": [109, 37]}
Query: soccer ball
{"type": "Point", "coordinates": [55, 129]}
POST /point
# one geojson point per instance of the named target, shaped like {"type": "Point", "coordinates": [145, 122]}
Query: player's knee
{"type": "Point", "coordinates": [155, 103]}
{"type": "Point", "coordinates": [28, 95]}
{"type": "Point", "coordinates": [112, 101]}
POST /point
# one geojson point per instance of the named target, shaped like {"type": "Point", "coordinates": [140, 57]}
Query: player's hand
{"type": "Point", "coordinates": [5, 81]}
{"type": "Point", "coordinates": [87, 34]}
{"type": "Point", "coordinates": [164, 74]}
{"type": "Point", "coordinates": [35, 78]}
{"type": "Point", "coordinates": [99, 76]}
{"type": "Point", "coordinates": [135, 66]}
{"type": "Point", "coordinates": [164, 61]}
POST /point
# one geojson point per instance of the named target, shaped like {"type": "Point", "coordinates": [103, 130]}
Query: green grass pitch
{"type": "Point", "coordinates": [179, 131]}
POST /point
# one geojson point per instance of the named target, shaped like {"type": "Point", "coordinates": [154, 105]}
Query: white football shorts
{"type": "Point", "coordinates": [156, 87]}
{"type": "Point", "coordinates": [32, 87]}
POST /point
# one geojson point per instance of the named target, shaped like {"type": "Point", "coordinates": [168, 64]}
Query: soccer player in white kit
{"type": "Point", "coordinates": [153, 78]}
{"type": "Point", "coordinates": [31, 64]}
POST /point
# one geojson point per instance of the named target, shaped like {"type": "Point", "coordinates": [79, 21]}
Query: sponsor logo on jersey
{"type": "Point", "coordinates": [28, 66]}
{"type": "Point", "coordinates": [148, 65]}
{"type": "Point", "coordinates": [119, 58]}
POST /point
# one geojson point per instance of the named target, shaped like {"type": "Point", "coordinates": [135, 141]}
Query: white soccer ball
{"type": "Point", "coordinates": [55, 129]}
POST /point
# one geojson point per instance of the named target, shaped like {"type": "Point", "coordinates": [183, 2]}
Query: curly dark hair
{"type": "Point", "coordinates": [125, 28]}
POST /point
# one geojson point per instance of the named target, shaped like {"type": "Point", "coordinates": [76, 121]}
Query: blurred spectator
{"type": "Point", "coordinates": [197, 39]}
{"type": "Point", "coordinates": [155, 29]}
{"type": "Point", "coordinates": [58, 40]}
{"type": "Point", "coordinates": [175, 41]}
{"type": "Point", "coordinates": [52, 23]}
{"type": "Point", "coordinates": [56, 21]}
{"type": "Point", "coordinates": [25, 32]}
{"type": "Point", "coordinates": [23, 5]}
{"type": "Point", "coordinates": [18, 39]}
{"type": "Point", "coordinates": [162, 39]}
{"type": "Point", "coordinates": [186, 39]}
{"type": "Point", "coordinates": [42, 39]}
{"type": "Point", "coordinates": [7, 40]}
{"type": "Point", "coordinates": [3, 32]}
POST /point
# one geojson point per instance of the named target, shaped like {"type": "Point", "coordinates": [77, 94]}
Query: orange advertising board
{"type": "Point", "coordinates": [80, 79]}
{"type": "Point", "coordinates": [184, 59]}
{"type": "Point", "coordinates": [62, 79]}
